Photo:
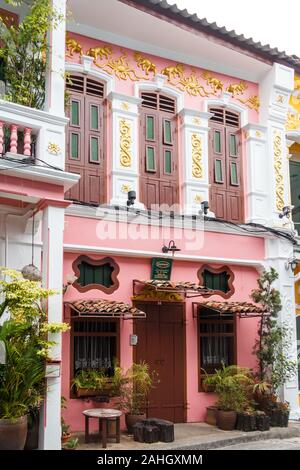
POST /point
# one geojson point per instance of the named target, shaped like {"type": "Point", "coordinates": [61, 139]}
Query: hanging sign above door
{"type": "Point", "coordinates": [161, 269]}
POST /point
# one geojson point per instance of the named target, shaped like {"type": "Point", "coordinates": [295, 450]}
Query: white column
{"type": "Point", "coordinates": [55, 80]}
{"type": "Point", "coordinates": [258, 185]}
{"type": "Point", "coordinates": [52, 271]}
{"type": "Point", "coordinates": [275, 90]}
{"type": "Point", "coordinates": [195, 183]}
{"type": "Point", "coordinates": [125, 162]}
{"type": "Point", "coordinates": [278, 251]}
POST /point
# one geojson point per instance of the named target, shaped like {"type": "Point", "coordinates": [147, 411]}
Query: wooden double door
{"type": "Point", "coordinates": [161, 343]}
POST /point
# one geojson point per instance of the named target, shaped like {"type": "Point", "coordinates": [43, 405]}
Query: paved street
{"type": "Point", "coordinates": [292, 443]}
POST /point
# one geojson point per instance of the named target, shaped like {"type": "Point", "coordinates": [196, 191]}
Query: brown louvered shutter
{"type": "Point", "coordinates": [85, 155]}
{"type": "Point", "coordinates": [158, 151]}
{"type": "Point", "coordinates": [225, 166]}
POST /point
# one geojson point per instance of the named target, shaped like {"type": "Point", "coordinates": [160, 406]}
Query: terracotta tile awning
{"type": "Point", "coordinates": [105, 309]}
{"type": "Point", "coordinates": [173, 286]}
{"type": "Point", "coordinates": [242, 309]}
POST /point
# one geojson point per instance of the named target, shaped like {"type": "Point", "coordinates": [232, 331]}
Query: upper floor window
{"type": "Point", "coordinates": [225, 165]}
{"type": "Point", "coordinates": [158, 151]}
{"type": "Point", "coordinates": [85, 149]}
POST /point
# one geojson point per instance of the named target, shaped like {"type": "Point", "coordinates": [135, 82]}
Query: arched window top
{"type": "Point", "coordinates": [78, 83]}
{"type": "Point", "coordinates": [225, 117]}
{"type": "Point", "coordinates": [159, 102]}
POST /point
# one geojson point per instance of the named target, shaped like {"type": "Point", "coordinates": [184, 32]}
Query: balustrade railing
{"type": "Point", "coordinates": [16, 140]}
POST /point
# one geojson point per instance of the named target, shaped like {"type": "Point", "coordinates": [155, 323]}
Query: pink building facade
{"type": "Point", "coordinates": [172, 135]}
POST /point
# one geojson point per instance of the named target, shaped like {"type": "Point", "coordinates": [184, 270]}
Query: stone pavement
{"type": "Point", "coordinates": [197, 436]}
{"type": "Point", "coordinates": [292, 443]}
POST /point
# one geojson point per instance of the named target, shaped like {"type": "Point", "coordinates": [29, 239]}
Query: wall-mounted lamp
{"type": "Point", "coordinates": [204, 207]}
{"type": "Point", "coordinates": [171, 247]}
{"type": "Point", "coordinates": [286, 210]}
{"type": "Point", "coordinates": [131, 197]}
{"type": "Point", "coordinates": [291, 263]}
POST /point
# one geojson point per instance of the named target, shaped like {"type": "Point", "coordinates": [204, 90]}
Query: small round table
{"type": "Point", "coordinates": [104, 415]}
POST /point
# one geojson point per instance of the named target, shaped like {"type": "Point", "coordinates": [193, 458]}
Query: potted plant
{"type": "Point", "coordinates": [24, 339]}
{"type": "Point", "coordinates": [262, 421]}
{"type": "Point", "coordinates": [33, 422]}
{"type": "Point", "coordinates": [71, 444]}
{"type": "Point", "coordinates": [230, 384]}
{"type": "Point", "coordinates": [91, 383]}
{"type": "Point", "coordinates": [272, 347]}
{"type": "Point", "coordinates": [136, 384]}
{"type": "Point", "coordinates": [211, 415]}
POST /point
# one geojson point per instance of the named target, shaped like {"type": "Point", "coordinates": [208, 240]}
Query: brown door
{"type": "Point", "coordinates": [225, 166]}
{"type": "Point", "coordinates": [161, 344]}
{"type": "Point", "coordinates": [158, 151]}
{"type": "Point", "coordinates": [85, 154]}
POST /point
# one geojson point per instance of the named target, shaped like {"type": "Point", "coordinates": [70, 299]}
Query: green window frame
{"type": "Point", "coordinates": [150, 159]}
{"type": "Point", "coordinates": [94, 117]}
{"type": "Point", "coordinates": [94, 150]}
{"type": "Point", "coordinates": [216, 281]}
{"type": "Point", "coordinates": [217, 142]}
{"type": "Point", "coordinates": [233, 152]}
{"type": "Point", "coordinates": [167, 132]}
{"type": "Point", "coordinates": [150, 127]}
{"type": "Point", "coordinates": [218, 170]}
{"type": "Point", "coordinates": [74, 143]}
{"type": "Point", "coordinates": [75, 113]}
{"type": "Point", "coordinates": [167, 162]}
{"type": "Point", "coordinates": [90, 274]}
{"type": "Point", "coordinates": [234, 179]}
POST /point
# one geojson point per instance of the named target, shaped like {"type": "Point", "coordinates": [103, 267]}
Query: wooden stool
{"type": "Point", "coordinates": [104, 415]}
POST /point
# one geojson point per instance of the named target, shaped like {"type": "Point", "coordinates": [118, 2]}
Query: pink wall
{"type": "Point", "coordinates": [110, 234]}
{"type": "Point", "coordinates": [130, 268]}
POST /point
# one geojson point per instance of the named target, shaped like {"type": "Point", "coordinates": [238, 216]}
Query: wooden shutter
{"type": "Point", "coordinates": [225, 166]}
{"type": "Point", "coordinates": [218, 170]}
{"type": "Point", "coordinates": [158, 150]}
{"type": "Point", "coordinates": [85, 132]}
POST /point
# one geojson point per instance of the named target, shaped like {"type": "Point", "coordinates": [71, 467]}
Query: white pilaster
{"type": "Point", "coordinates": [278, 251]}
{"type": "Point", "coordinates": [195, 182]}
{"type": "Point", "coordinates": [125, 163]}
{"type": "Point", "coordinates": [275, 90]}
{"type": "Point", "coordinates": [52, 269]}
{"type": "Point", "coordinates": [258, 185]}
{"type": "Point", "coordinates": [55, 80]}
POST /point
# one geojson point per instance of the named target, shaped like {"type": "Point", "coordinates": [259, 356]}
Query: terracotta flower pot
{"type": "Point", "coordinates": [130, 420]}
{"type": "Point", "coordinates": [226, 420]}
{"type": "Point", "coordinates": [13, 433]}
{"type": "Point", "coordinates": [211, 415]}
{"type": "Point", "coordinates": [65, 437]}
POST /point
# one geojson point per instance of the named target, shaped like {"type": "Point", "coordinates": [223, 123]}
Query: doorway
{"type": "Point", "coordinates": [161, 343]}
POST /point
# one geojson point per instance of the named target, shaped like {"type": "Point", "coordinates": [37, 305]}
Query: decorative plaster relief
{"type": "Point", "coordinates": [197, 167]}
{"type": "Point", "coordinates": [125, 188]}
{"type": "Point", "coordinates": [193, 83]}
{"type": "Point", "coordinates": [125, 143]}
{"type": "Point", "coordinates": [277, 143]}
{"type": "Point", "coordinates": [53, 148]}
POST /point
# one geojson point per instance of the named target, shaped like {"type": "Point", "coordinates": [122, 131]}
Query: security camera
{"type": "Point", "coordinates": [286, 210]}
{"type": "Point", "coordinates": [204, 207]}
{"type": "Point", "coordinates": [131, 197]}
